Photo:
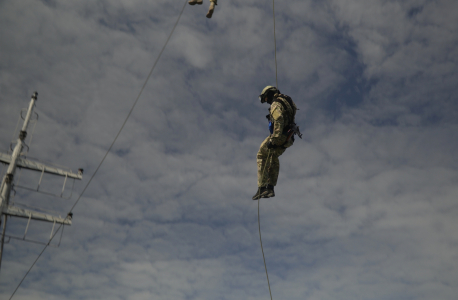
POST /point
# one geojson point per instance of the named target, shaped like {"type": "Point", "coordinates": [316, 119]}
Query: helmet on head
{"type": "Point", "coordinates": [268, 91]}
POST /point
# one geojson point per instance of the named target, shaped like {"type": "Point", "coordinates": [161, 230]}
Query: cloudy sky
{"type": "Point", "coordinates": [366, 204]}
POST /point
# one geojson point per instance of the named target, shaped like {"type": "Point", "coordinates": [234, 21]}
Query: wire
{"type": "Point", "coordinates": [265, 166]}
{"type": "Point", "coordinates": [267, 161]}
{"type": "Point", "coordinates": [17, 125]}
{"type": "Point", "coordinates": [259, 219]}
{"type": "Point", "coordinates": [262, 249]}
{"type": "Point", "coordinates": [133, 106]}
{"type": "Point", "coordinates": [30, 143]}
{"type": "Point", "coordinates": [39, 255]}
{"type": "Point", "coordinates": [33, 131]}
{"type": "Point", "coordinates": [275, 44]}
{"type": "Point", "coordinates": [109, 149]}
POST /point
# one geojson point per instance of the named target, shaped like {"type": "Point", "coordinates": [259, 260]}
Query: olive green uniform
{"type": "Point", "coordinates": [267, 159]}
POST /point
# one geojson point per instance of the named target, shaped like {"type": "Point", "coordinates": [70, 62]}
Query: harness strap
{"type": "Point", "coordinates": [289, 129]}
{"type": "Point", "coordinates": [288, 99]}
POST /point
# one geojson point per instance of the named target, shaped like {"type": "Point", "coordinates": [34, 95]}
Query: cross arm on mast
{"type": "Point", "coordinates": [40, 167]}
{"type": "Point", "coordinates": [34, 215]}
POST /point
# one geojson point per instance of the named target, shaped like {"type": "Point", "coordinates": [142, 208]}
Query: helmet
{"type": "Point", "coordinates": [268, 91]}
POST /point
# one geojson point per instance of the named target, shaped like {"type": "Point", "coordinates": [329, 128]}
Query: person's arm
{"type": "Point", "coordinates": [279, 123]}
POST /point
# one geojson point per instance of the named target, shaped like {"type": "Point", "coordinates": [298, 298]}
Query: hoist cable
{"type": "Point", "coordinates": [111, 146]}
{"type": "Point", "coordinates": [267, 161]}
{"type": "Point", "coordinates": [259, 219]}
{"type": "Point", "coordinates": [275, 44]}
{"type": "Point", "coordinates": [263, 257]}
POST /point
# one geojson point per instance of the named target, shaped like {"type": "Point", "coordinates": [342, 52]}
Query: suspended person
{"type": "Point", "coordinates": [282, 129]}
{"type": "Point", "coordinates": [210, 9]}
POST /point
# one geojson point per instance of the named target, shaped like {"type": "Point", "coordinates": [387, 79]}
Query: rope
{"type": "Point", "coordinates": [265, 166]}
{"type": "Point", "coordinates": [109, 149]}
{"type": "Point", "coordinates": [275, 44]}
{"type": "Point", "coordinates": [259, 221]}
{"type": "Point", "coordinates": [262, 249]}
{"type": "Point", "coordinates": [267, 161]}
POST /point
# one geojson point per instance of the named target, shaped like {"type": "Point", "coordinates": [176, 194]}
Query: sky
{"type": "Point", "coordinates": [366, 203]}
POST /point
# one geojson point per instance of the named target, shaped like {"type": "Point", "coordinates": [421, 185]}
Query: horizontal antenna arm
{"type": "Point", "coordinates": [25, 213]}
{"type": "Point", "coordinates": [36, 166]}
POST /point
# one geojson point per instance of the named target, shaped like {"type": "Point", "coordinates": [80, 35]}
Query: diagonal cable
{"type": "Point", "coordinates": [111, 146]}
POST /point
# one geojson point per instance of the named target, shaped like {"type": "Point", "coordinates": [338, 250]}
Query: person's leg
{"type": "Point", "coordinates": [261, 159]}
{"type": "Point", "coordinates": [211, 8]}
{"type": "Point", "coordinates": [193, 2]}
{"type": "Point", "coordinates": [273, 169]}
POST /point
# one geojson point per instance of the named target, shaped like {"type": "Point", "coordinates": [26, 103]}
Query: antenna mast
{"type": "Point", "coordinates": [16, 160]}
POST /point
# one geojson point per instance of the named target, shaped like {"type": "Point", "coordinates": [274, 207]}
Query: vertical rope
{"type": "Point", "coordinates": [275, 44]}
{"type": "Point", "coordinates": [265, 166]}
{"type": "Point", "coordinates": [259, 222]}
{"type": "Point", "coordinates": [263, 257]}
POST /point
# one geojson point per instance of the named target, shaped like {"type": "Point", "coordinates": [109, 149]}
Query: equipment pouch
{"type": "Point", "coordinates": [289, 143]}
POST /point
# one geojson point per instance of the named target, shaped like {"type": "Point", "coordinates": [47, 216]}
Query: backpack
{"type": "Point", "coordinates": [290, 129]}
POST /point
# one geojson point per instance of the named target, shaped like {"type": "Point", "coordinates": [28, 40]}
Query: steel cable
{"type": "Point", "coordinates": [275, 44]}
{"type": "Point", "coordinates": [259, 220]}
{"type": "Point", "coordinates": [262, 249]}
{"type": "Point", "coordinates": [267, 161]}
{"type": "Point", "coordinates": [111, 146]}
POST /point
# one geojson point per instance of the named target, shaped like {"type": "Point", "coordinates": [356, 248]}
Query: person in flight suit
{"type": "Point", "coordinates": [282, 129]}
{"type": "Point", "coordinates": [210, 9]}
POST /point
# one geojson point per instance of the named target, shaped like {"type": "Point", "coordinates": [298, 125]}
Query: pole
{"type": "Point", "coordinates": [9, 176]}
{"type": "Point", "coordinates": [3, 240]}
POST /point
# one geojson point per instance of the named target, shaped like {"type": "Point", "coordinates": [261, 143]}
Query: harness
{"type": "Point", "coordinates": [291, 108]}
{"type": "Point", "coordinates": [290, 129]}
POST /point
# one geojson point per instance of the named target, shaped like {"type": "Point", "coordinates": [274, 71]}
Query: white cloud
{"type": "Point", "coordinates": [365, 204]}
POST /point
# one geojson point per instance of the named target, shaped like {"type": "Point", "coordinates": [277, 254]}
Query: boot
{"type": "Point", "coordinates": [211, 9]}
{"type": "Point", "coordinates": [193, 2]}
{"type": "Point", "coordinates": [258, 193]}
{"type": "Point", "coordinates": [268, 192]}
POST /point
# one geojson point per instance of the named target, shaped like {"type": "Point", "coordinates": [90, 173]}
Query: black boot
{"type": "Point", "coordinates": [268, 192]}
{"type": "Point", "coordinates": [259, 192]}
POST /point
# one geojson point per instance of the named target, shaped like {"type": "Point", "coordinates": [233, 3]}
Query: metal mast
{"type": "Point", "coordinates": [15, 160]}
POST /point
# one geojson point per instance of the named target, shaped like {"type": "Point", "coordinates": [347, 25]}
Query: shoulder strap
{"type": "Point", "coordinates": [291, 107]}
